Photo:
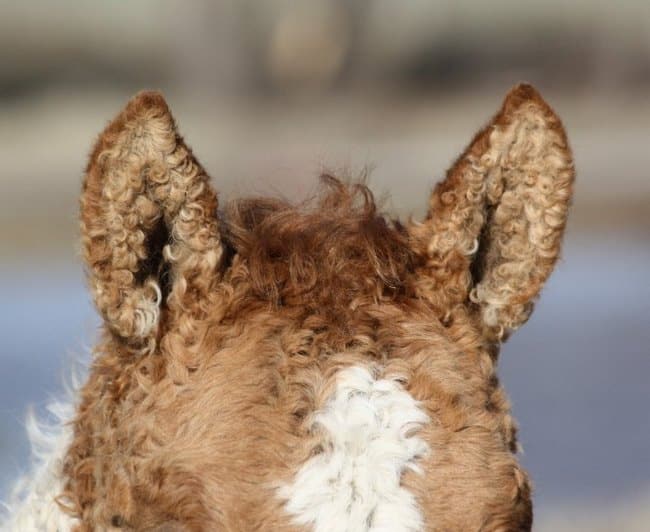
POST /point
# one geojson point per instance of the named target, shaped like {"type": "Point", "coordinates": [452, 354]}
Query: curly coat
{"type": "Point", "coordinates": [230, 337]}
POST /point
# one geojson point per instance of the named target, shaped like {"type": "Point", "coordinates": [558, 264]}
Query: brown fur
{"type": "Point", "coordinates": [327, 258]}
{"type": "Point", "coordinates": [195, 413]}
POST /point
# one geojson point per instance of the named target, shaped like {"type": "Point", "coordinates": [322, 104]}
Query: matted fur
{"type": "Point", "coordinates": [225, 335]}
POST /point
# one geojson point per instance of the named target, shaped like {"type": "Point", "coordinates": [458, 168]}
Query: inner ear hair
{"type": "Point", "coordinates": [154, 265]}
{"type": "Point", "coordinates": [148, 222]}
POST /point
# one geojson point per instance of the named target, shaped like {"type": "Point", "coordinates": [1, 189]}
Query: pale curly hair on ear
{"type": "Point", "coordinates": [147, 203]}
{"type": "Point", "coordinates": [495, 224]}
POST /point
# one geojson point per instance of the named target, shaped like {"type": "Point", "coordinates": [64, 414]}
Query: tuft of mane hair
{"type": "Point", "coordinates": [323, 254]}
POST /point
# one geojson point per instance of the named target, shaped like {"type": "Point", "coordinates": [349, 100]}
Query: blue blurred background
{"type": "Point", "coordinates": [270, 92]}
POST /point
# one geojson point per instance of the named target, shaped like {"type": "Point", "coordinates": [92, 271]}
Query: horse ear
{"type": "Point", "coordinates": [148, 222]}
{"type": "Point", "coordinates": [495, 223]}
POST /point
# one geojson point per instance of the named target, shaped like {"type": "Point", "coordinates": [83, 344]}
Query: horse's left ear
{"type": "Point", "coordinates": [495, 224]}
{"type": "Point", "coordinates": [148, 224]}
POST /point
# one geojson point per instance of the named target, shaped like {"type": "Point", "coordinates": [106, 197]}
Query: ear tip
{"type": "Point", "coordinates": [526, 93]}
{"type": "Point", "coordinates": [523, 91]}
{"type": "Point", "coordinates": [141, 107]}
{"type": "Point", "coordinates": [525, 97]}
{"type": "Point", "coordinates": [147, 100]}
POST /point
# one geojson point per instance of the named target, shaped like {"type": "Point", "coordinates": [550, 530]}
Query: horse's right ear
{"type": "Point", "coordinates": [148, 223]}
{"type": "Point", "coordinates": [495, 223]}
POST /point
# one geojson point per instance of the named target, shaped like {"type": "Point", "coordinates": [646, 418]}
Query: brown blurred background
{"type": "Point", "coordinates": [269, 92]}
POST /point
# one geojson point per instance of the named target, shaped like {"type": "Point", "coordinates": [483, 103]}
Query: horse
{"type": "Point", "coordinates": [302, 366]}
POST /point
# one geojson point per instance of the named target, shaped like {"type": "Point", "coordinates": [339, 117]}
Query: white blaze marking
{"type": "Point", "coordinates": [354, 484]}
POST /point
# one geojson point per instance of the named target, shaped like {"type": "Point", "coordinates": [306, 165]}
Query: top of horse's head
{"type": "Point", "coordinates": [272, 366]}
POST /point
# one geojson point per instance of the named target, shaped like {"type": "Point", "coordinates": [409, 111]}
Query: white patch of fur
{"type": "Point", "coordinates": [354, 485]}
{"type": "Point", "coordinates": [32, 506]}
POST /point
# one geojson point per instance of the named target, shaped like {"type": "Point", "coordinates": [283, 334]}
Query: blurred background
{"type": "Point", "coordinates": [270, 92]}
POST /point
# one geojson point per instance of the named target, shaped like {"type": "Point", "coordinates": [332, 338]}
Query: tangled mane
{"type": "Point", "coordinates": [332, 252]}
